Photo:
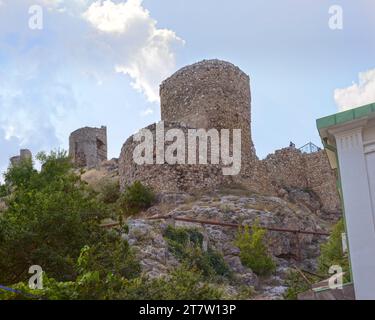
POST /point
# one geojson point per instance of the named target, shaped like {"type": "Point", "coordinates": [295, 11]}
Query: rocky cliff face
{"type": "Point", "coordinates": [287, 249]}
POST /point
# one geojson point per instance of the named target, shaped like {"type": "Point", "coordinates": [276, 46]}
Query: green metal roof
{"type": "Point", "coordinates": [346, 116]}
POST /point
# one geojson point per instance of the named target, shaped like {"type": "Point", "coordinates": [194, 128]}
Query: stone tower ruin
{"type": "Point", "coordinates": [88, 147]}
{"type": "Point", "coordinates": [210, 94]}
{"type": "Point", "coordinates": [24, 155]}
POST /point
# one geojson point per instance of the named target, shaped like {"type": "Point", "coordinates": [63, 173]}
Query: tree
{"type": "Point", "coordinates": [51, 215]}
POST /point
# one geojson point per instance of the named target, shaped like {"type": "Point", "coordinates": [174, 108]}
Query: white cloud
{"type": "Point", "coordinates": [147, 112]}
{"type": "Point", "coordinates": [50, 78]}
{"type": "Point", "coordinates": [151, 58]}
{"type": "Point", "coordinates": [110, 17]}
{"type": "Point", "coordinates": [358, 94]}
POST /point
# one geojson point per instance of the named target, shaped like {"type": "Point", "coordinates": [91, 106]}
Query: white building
{"type": "Point", "coordinates": [349, 139]}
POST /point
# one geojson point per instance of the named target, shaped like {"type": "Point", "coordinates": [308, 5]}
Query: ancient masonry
{"type": "Point", "coordinates": [24, 154]}
{"type": "Point", "coordinates": [213, 94]}
{"type": "Point", "coordinates": [88, 147]}
{"type": "Point", "coordinates": [290, 169]}
{"type": "Point", "coordinates": [207, 95]}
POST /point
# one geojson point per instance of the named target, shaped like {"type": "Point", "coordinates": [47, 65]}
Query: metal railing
{"type": "Point", "coordinates": [310, 148]}
{"type": "Point", "coordinates": [295, 232]}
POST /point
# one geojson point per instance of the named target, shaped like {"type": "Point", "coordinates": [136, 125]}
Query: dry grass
{"type": "Point", "coordinates": [97, 178]}
{"type": "Point", "coordinates": [236, 189]}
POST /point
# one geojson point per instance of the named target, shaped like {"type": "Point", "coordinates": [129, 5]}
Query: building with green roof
{"type": "Point", "coordinates": [349, 140]}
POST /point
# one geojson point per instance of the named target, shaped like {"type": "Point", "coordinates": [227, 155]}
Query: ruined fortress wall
{"type": "Point", "coordinates": [210, 94]}
{"type": "Point", "coordinates": [286, 168]}
{"type": "Point", "coordinates": [322, 180]}
{"type": "Point", "coordinates": [88, 146]}
{"type": "Point", "coordinates": [167, 178]}
{"type": "Point", "coordinates": [216, 94]}
{"type": "Point", "coordinates": [24, 154]}
{"type": "Point", "coordinates": [290, 169]}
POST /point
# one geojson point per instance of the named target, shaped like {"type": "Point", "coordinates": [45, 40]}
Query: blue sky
{"type": "Point", "coordinates": [100, 63]}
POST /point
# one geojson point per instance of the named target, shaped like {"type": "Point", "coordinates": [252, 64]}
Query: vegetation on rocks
{"type": "Point", "coordinates": [90, 284]}
{"type": "Point", "coordinates": [109, 191]}
{"type": "Point", "coordinates": [52, 219]}
{"type": "Point", "coordinates": [186, 245]}
{"type": "Point", "coordinates": [297, 284]}
{"type": "Point", "coordinates": [253, 250]}
{"type": "Point", "coordinates": [332, 253]}
{"type": "Point", "coordinates": [136, 198]}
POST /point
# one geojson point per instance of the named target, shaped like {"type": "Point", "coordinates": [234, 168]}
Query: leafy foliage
{"type": "Point", "coordinates": [332, 252]}
{"type": "Point", "coordinates": [19, 175]}
{"type": "Point", "coordinates": [136, 198]}
{"type": "Point", "coordinates": [180, 238]}
{"type": "Point", "coordinates": [51, 215]}
{"type": "Point", "coordinates": [186, 245]}
{"type": "Point", "coordinates": [297, 284]}
{"type": "Point", "coordinates": [254, 251]}
{"type": "Point", "coordinates": [52, 220]}
{"type": "Point", "coordinates": [181, 284]}
{"type": "Point", "coordinates": [109, 192]}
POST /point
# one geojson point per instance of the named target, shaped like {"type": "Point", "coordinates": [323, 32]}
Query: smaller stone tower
{"type": "Point", "coordinates": [24, 154]}
{"type": "Point", "coordinates": [88, 147]}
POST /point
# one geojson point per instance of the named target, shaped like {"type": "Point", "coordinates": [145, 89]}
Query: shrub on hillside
{"type": "Point", "coordinates": [253, 251]}
{"type": "Point", "coordinates": [109, 191]}
{"type": "Point", "coordinates": [186, 245]}
{"type": "Point", "coordinates": [136, 198]}
{"type": "Point", "coordinates": [297, 284]}
{"type": "Point", "coordinates": [331, 252]}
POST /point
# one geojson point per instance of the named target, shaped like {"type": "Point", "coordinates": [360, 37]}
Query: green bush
{"type": "Point", "coordinates": [331, 253]}
{"type": "Point", "coordinates": [111, 254]}
{"type": "Point", "coordinates": [181, 284]}
{"type": "Point", "coordinates": [297, 284]}
{"type": "Point", "coordinates": [253, 251]}
{"type": "Point", "coordinates": [109, 192]}
{"type": "Point", "coordinates": [136, 198]}
{"type": "Point", "coordinates": [186, 245]}
{"type": "Point", "coordinates": [179, 239]}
